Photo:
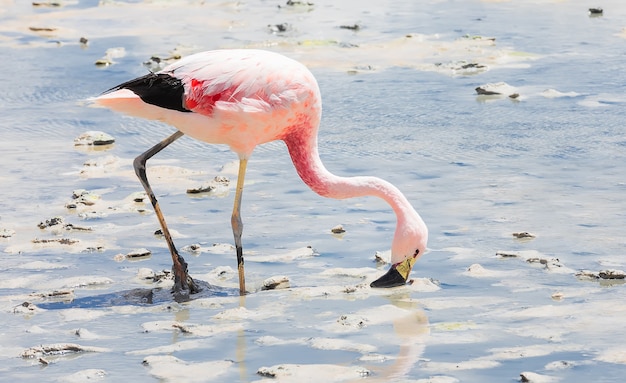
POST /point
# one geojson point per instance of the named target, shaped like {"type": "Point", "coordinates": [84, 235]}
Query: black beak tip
{"type": "Point", "coordinates": [392, 278]}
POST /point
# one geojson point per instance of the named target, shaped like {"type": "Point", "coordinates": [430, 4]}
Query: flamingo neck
{"type": "Point", "coordinates": [304, 154]}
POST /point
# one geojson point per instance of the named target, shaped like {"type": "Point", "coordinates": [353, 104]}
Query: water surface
{"type": "Point", "coordinates": [476, 168]}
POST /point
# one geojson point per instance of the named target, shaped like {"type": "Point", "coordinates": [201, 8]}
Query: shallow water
{"type": "Point", "coordinates": [476, 168]}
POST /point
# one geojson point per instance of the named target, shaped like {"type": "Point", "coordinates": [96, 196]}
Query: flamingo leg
{"type": "Point", "coordinates": [183, 284]}
{"type": "Point", "coordinates": [238, 225]}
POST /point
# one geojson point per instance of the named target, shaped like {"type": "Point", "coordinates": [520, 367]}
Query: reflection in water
{"type": "Point", "coordinates": [180, 316]}
{"type": "Point", "coordinates": [410, 325]}
{"type": "Point", "coordinates": [412, 330]}
{"type": "Point", "coordinates": [241, 347]}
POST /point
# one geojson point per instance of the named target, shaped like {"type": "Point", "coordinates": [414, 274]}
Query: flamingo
{"type": "Point", "coordinates": [244, 98]}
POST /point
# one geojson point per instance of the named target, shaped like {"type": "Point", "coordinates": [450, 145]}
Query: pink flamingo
{"type": "Point", "coordinates": [243, 98]}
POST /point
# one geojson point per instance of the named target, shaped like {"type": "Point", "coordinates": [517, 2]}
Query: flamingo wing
{"type": "Point", "coordinates": [237, 80]}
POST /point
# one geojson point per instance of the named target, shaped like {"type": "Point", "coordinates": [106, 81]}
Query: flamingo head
{"type": "Point", "coordinates": [409, 243]}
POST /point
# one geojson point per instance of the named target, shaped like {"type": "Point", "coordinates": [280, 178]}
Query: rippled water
{"type": "Point", "coordinates": [476, 168]}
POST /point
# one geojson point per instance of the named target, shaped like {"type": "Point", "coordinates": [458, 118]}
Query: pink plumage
{"type": "Point", "coordinates": [244, 98]}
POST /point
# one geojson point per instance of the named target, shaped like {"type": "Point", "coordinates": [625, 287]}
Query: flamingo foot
{"type": "Point", "coordinates": [184, 285]}
{"type": "Point", "coordinates": [397, 275]}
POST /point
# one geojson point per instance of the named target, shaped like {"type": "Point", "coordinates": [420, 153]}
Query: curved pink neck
{"type": "Point", "coordinates": [305, 157]}
{"type": "Point", "coordinates": [411, 233]}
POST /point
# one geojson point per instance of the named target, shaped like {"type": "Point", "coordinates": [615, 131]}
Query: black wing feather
{"type": "Point", "coordinates": [161, 89]}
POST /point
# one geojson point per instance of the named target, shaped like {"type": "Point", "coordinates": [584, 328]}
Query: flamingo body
{"type": "Point", "coordinates": [241, 98]}
{"type": "Point", "coordinates": [244, 98]}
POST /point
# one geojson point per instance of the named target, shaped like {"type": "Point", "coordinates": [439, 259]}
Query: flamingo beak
{"type": "Point", "coordinates": [397, 275]}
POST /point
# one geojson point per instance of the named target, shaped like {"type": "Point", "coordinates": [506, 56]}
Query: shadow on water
{"type": "Point", "coordinates": [139, 297]}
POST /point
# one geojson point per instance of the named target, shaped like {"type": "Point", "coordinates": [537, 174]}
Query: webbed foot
{"type": "Point", "coordinates": [184, 285]}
